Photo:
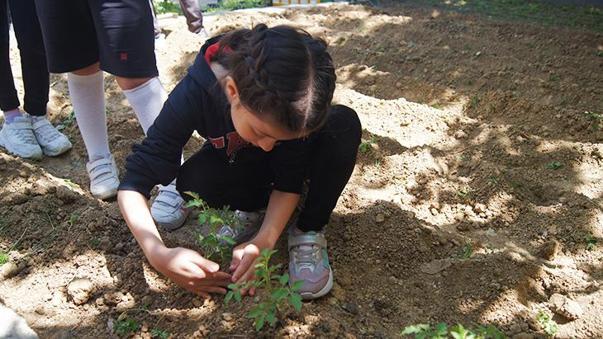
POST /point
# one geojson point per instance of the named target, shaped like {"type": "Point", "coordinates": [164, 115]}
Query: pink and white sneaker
{"type": "Point", "coordinates": [309, 262]}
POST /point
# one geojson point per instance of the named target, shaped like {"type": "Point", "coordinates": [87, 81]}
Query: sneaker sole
{"type": "Point", "coordinates": [57, 153]}
{"type": "Point", "coordinates": [33, 157]}
{"type": "Point", "coordinates": [322, 292]}
{"type": "Point", "coordinates": [106, 195]}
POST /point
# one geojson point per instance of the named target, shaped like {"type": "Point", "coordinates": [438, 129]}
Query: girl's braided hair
{"type": "Point", "coordinates": [281, 72]}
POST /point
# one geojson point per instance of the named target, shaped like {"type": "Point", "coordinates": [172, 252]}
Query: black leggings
{"type": "Point", "coordinates": [247, 186]}
{"type": "Point", "coordinates": [33, 58]}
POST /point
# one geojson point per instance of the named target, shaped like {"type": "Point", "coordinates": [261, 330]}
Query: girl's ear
{"type": "Point", "coordinates": [231, 89]}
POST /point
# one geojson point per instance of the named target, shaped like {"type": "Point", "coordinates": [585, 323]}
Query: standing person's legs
{"type": "Point", "coordinates": [9, 101]}
{"type": "Point", "coordinates": [193, 14]}
{"type": "Point", "coordinates": [35, 76]}
{"type": "Point", "coordinates": [333, 158]}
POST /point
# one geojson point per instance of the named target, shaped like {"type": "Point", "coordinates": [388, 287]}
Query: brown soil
{"type": "Point", "coordinates": [472, 201]}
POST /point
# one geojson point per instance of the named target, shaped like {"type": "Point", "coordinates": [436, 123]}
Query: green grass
{"type": "Point", "coordinates": [549, 326]}
{"type": "Point", "coordinates": [166, 6]}
{"type": "Point", "coordinates": [3, 258]}
{"type": "Point", "coordinates": [125, 327]}
{"type": "Point", "coordinates": [554, 165]}
{"type": "Point", "coordinates": [587, 17]}
{"type": "Point", "coordinates": [458, 331]}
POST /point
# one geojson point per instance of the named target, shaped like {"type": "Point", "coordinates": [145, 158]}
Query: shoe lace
{"type": "Point", "coordinates": [47, 132]}
{"type": "Point", "coordinates": [25, 135]}
{"type": "Point", "coordinates": [307, 256]}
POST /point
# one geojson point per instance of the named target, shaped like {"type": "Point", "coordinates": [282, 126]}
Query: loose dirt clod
{"type": "Point", "coordinates": [80, 290]}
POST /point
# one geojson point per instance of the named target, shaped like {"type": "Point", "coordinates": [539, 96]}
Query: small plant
{"type": "Point", "coordinates": [367, 146]}
{"type": "Point", "coordinates": [214, 245]}
{"type": "Point", "coordinates": [4, 258]}
{"type": "Point", "coordinates": [548, 324]}
{"type": "Point", "coordinates": [473, 102]}
{"type": "Point", "coordinates": [596, 118]}
{"type": "Point", "coordinates": [276, 293]}
{"type": "Point", "coordinates": [464, 193]}
{"type": "Point", "coordinates": [159, 333]}
{"type": "Point", "coordinates": [166, 6]}
{"type": "Point", "coordinates": [73, 217]}
{"type": "Point", "coordinates": [591, 242]}
{"type": "Point", "coordinates": [554, 165]}
{"type": "Point", "coordinates": [126, 326]}
{"type": "Point", "coordinates": [67, 122]}
{"type": "Point", "coordinates": [458, 331]}
{"type": "Point", "coordinates": [467, 251]}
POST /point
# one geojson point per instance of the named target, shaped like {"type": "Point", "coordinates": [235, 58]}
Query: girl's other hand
{"type": "Point", "coordinates": [189, 270]}
{"type": "Point", "coordinates": [243, 262]}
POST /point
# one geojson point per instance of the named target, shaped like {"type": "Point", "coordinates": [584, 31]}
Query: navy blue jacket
{"type": "Point", "coordinates": [198, 103]}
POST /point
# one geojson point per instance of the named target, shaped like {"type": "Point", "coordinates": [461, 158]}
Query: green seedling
{"type": "Point", "coordinates": [71, 184]}
{"type": "Point", "coordinates": [367, 146]}
{"type": "Point", "coordinates": [554, 165]}
{"type": "Point", "coordinates": [458, 331]}
{"type": "Point", "coordinates": [67, 122]}
{"type": "Point", "coordinates": [467, 251]}
{"type": "Point", "coordinates": [214, 246]}
{"type": "Point", "coordinates": [591, 242]}
{"type": "Point", "coordinates": [73, 217]}
{"type": "Point", "coordinates": [125, 327]}
{"type": "Point", "coordinates": [464, 193]}
{"type": "Point", "coordinates": [548, 324]}
{"type": "Point", "coordinates": [596, 118]}
{"type": "Point", "coordinates": [4, 258]}
{"type": "Point", "coordinates": [276, 294]}
{"type": "Point", "coordinates": [159, 333]}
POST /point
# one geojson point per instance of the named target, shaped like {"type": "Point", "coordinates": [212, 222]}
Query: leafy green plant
{"type": "Point", "coordinates": [4, 258]}
{"type": "Point", "coordinates": [367, 146]}
{"type": "Point", "coordinates": [554, 165]}
{"type": "Point", "coordinates": [124, 327]}
{"type": "Point", "coordinates": [166, 6]}
{"type": "Point", "coordinates": [159, 333]}
{"type": "Point", "coordinates": [548, 324]}
{"type": "Point", "coordinates": [467, 251]}
{"type": "Point", "coordinates": [458, 331]}
{"type": "Point", "coordinates": [596, 118]}
{"type": "Point", "coordinates": [214, 245]}
{"type": "Point", "coordinates": [591, 242]}
{"type": "Point", "coordinates": [275, 295]}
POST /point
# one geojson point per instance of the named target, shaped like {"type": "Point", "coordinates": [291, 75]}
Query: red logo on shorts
{"type": "Point", "coordinates": [123, 56]}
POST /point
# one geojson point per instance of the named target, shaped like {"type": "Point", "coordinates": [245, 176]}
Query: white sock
{"type": "Point", "coordinates": [88, 98]}
{"type": "Point", "coordinates": [147, 101]}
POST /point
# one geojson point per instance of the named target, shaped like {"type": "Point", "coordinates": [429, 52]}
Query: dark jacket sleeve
{"type": "Point", "coordinates": [288, 161]}
{"type": "Point", "coordinates": [157, 159]}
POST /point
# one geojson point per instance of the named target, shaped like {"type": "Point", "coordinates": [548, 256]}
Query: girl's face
{"type": "Point", "coordinates": [264, 132]}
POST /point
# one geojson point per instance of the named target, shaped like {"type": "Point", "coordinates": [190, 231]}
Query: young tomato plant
{"type": "Point", "coordinates": [214, 246]}
{"type": "Point", "coordinates": [276, 294]}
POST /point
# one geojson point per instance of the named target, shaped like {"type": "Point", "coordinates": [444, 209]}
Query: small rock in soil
{"type": "Point", "coordinates": [350, 308]}
{"type": "Point", "coordinates": [460, 135]}
{"type": "Point", "coordinates": [379, 218]}
{"type": "Point", "coordinates": [227, 316]}
{"type": "Point", "coordinates": [66, 195]}
{"type": "Point", "coordinates": [197, 302]}
{"type": "Point", "coordinates": [435, 266]}
{"type": "Point", "coordinates": [80, 290]}
{"type": "Point", "coordinates": [565, 307]}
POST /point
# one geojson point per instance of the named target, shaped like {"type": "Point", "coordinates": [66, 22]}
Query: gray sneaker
{"type": "Point", "coordinates": [18, 138]}
{"type": "Point", "coordinates": [51, 141]}
{"type": "Point", "coordinates": [309, 262]}
{"type": "Point", "coordinates": [251, 222]}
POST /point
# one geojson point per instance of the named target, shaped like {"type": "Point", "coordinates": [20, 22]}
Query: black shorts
{"type": "Point", "coordinates": [118, 33]}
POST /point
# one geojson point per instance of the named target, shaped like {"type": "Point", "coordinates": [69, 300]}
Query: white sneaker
{"type": "Point", "coordinates": [168, 209]}
{"type": "Point", "coordinates": [51, 141]}
{"type": "Point", "coordinates": [104, 177]}
{"type": "Point", "coordinates": [18, 138]}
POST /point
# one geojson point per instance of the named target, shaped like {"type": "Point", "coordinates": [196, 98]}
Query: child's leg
{"type": "Point", "coordinates": [9, 101]}
{"type": "Point", "coordinates": [334, 155]}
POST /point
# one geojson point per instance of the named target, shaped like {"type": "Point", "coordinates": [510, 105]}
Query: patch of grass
{"type": "Point", "coordinates": [276, 293]}
{"type": "Point", "coordinates": [68, 121]}
{"type": "Point", "coordinates": [230, 5]}
{"type": "Point", "coordinates": [159, 333]}
{"type": "Point", "coordinates": [467, 251]}
{"type": "Point", "coordinates": [596, 118]}
{"type": "Point", "coordinates": [367, 146]}
{"type": "Point", "coordinates": [473, 102]}
{"type": "Point", "coordinates": [166, 6]}
{"type": "Point", "coordinates": [125, 327]}
{"type": "Point", "coordinates": [4, 258]}
{"type": "Point", "coordinates": [591, 242]}
{"type": "Point", "coordinates": [549, 325]}
{"type": "Point", "coordinates": [554, 165]}
{"type": "Point", "coordinates": [588, 16]}
{"type": "Point", "coordinates": [554, 77]}
{"type": "Point", "coordinates": [493, 180]}
{"type": "Point", "coordinates": [73, 217]}
{"type": "Point", "coordinates": [458, 331]}
{"type": "Point", "coordinates": [214, 245]}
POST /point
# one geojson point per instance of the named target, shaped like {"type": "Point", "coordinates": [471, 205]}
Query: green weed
{"type": "Point", "coordinates": [276, 293]}
{"type": "Point", "coordinates": [554, 77]}
{"type": "Point", "coordinates": [4, 258]}
{"type": "Point", "coordinates": [214, 245]}
{"type": "Point", "coordinates": [467, 251]}
{"type": "Point", "coordinates": [458, 331]}
{"type": "Point", "coordinates": [125, 326]}
{"type": "Point", "coordinates": [367, 146]}
{"type": "Point", "coordinates": [548, 324]}
{"type": "Point", "coordinates": [159, 333]}
{"type": "Point", "coordinates": [591, 242]}
{"type": "Point", "coordinates": [166, 6]}
{"type": "Point", "coordinates": [596, 118]}
{"type": "Point", "coordinates": [554, 165]}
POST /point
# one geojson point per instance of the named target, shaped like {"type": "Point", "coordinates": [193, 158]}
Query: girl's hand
{"type": "Point", "coordinates": [243, 261]}
{"type": "Point", "coordinates": [188, 269]}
